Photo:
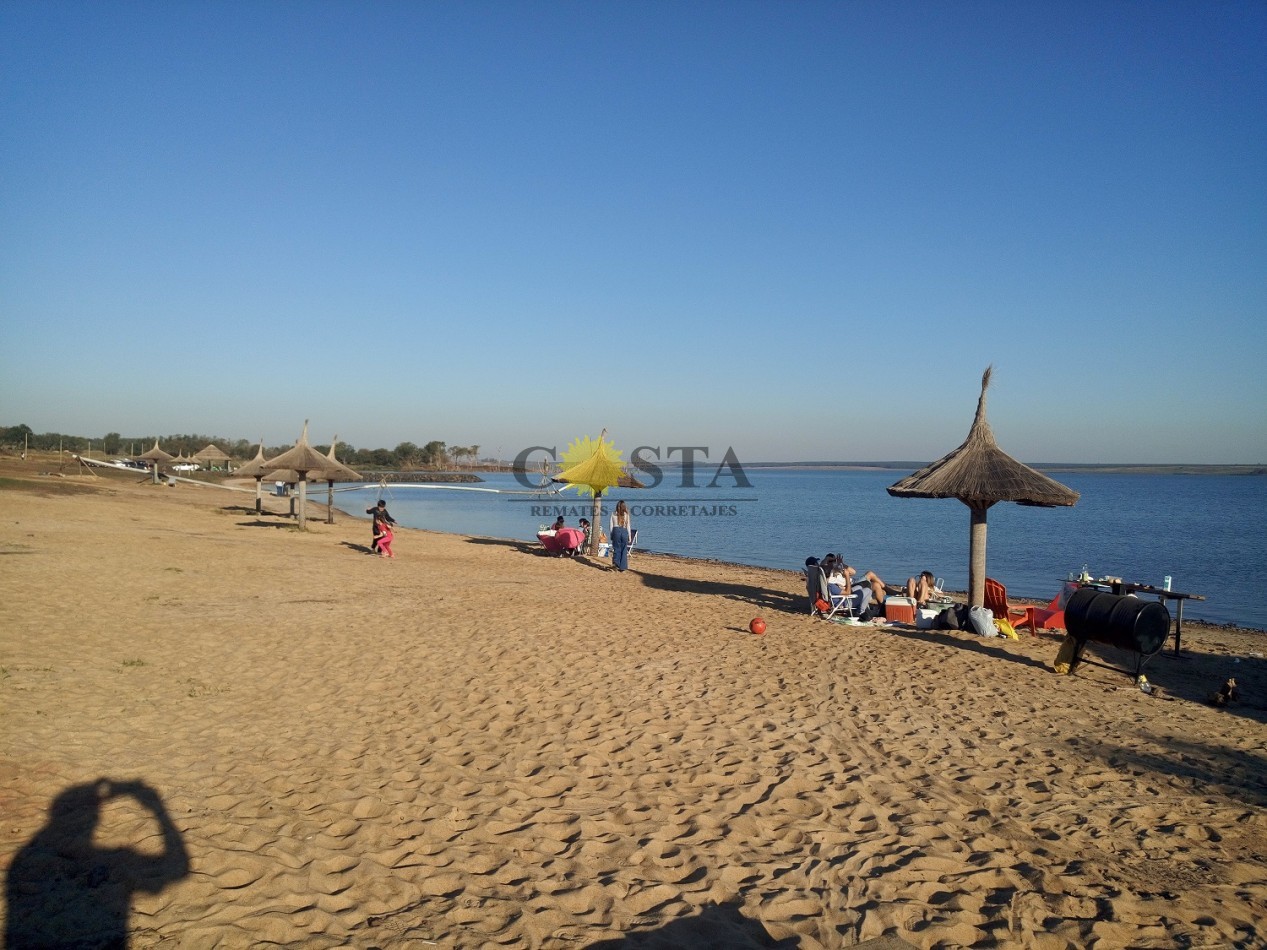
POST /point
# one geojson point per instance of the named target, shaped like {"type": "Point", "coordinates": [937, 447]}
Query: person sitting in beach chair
{"type": "Point", "coordinates": [842, 581]}
{"type": "Point", "coordinates": [826, 602]}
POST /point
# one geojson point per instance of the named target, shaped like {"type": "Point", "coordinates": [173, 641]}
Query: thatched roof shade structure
{"type": "Point", "coordinates": [305, 461]}
{"type": "Point", "coordinates": [979, 474]}
{"type": "Point", "coordinates": [156, 455]}
{"type": "Point", "coordinates": [335, 471]}
{"type": "Point", "coordinates": [211, 453]}
{"type": "Point", "coordinates": [255, 469]}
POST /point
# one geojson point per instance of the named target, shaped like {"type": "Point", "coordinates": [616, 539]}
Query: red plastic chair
{"type": "Point", "coordinates": [1036, 618]}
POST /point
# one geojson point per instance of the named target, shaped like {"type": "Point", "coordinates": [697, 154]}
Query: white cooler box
{"type": "Point", "coordinates": [925, 616]}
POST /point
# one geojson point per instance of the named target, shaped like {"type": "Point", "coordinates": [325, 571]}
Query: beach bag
{"type": "Point", "coordinates": [822, 606]}
{"type": "Point", "coordinates": [981, 621]}
{"type": "Point", "coordinates": [954, 617]}
{"type": "Point", "coordinates": [1006, 628]}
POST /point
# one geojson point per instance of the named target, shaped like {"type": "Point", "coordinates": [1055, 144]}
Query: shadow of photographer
{"type": "Point", "coordinates": [63, 889]}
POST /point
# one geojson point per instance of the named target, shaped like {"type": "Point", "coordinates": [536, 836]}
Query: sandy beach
{"type": "Point", "coordinates": [219, 731]}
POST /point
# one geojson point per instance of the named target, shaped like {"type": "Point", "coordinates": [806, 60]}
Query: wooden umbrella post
{"type": "Point", "coordinates": [596, 517]}
{"type": "Point", "coordinates": [976, 553]}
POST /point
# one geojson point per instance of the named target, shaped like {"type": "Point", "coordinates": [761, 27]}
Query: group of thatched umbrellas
{"type": "Point", "coordinates": [296, 466]}
{"type": "Point", "coordinates": [978, 473]}
{"type": "Point", "coordinates": [208, 455]}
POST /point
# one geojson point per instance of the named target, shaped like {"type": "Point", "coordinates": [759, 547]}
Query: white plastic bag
{"type": "Point", "coordinates": [982, 620]}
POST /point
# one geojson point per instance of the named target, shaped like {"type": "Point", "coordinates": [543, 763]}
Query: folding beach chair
{"type": "Point", "coordinates": [849, 605]}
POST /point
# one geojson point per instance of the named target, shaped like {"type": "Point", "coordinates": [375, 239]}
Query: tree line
{"type": "Point", "coordinates": [405, 456]}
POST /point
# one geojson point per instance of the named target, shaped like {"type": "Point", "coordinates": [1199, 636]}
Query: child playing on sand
{"type": "Point", "coordinates": [382, 523]}
{"type": "Point", "coordinates": [384, 542]}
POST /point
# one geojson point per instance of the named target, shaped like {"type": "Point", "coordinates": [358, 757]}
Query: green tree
{"type": "Point", "coordinates": [111, 443]}
{"type": "Point", "coordinates": [406, 454]}
{"type": "Point", "coordinates": [17, 435]}
{"type": "Point", "coordinates": [433, 454]}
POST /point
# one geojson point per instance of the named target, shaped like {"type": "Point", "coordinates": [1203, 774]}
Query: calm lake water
{"type": "Point", "coordinates": [1208, 532]}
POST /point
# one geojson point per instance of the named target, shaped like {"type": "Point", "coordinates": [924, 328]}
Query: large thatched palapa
{"type": "Point", "coordinates": [211, 453]}
{"type": "Point", "coordinates": [979, 474]}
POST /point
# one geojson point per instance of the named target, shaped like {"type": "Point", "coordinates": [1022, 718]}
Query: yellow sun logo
{"type": "Point", "coordinates": [591, 465]}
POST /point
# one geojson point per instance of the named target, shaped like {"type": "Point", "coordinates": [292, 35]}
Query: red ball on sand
{"type": "Point", "coordinates": [757, 626]}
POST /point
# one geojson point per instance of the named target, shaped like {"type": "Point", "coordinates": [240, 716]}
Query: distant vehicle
{"type": "Point", "coordinates": [186, 467]}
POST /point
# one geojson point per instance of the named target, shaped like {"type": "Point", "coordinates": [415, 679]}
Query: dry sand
{"type": "Point", "coordinates": [476, 745]}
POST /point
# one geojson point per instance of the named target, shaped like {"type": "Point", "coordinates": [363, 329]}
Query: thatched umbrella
{"type": "Point", "coordinates": [255, 469]}
{"type": "Point", "coordinates": [210, 453]}
{"type": "Point", "coordinates": [979, 473]}
{"type": "Point", "coordinates": [301, 459]}
{"type": "Point", "coordinates": [336, 471]}
{"type": "Point", "coordinates": [155, 457]}
{"type": "Point", "coordinates": [598, 470]}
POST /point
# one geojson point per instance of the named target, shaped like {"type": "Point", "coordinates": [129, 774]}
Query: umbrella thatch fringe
{"type": "Point", "coordinates": [156, 454]}
{"type": "Point", "coordinates": [255, 467]}
{"type": "Point", "coordinates": [301, 458]}
{"type": "Point", "coordinates": [978, 472]}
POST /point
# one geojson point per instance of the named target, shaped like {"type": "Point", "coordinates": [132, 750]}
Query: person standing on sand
{"type": "Point", "coordinates": [382, 523]}
{"type": "Point", "coordinates": [620, 535]}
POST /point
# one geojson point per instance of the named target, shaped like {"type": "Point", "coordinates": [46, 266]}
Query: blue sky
{"type": "Point", "coordinates": [801, 230]}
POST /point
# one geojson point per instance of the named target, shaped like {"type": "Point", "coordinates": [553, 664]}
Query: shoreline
{"type": "Point", "coordinates": [959, 596]}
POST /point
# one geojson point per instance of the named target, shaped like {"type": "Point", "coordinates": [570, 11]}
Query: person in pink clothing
{"type": "Point", "coordinates": [384, 542]}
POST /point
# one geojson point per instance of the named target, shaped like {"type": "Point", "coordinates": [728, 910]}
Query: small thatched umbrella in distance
{"type": "Point", "coordinates": [336, 471]}
{"type": "Point", "coordinates": [302, 459]}
{"type": "Point", "coordinates": [156, 457]}
{"type": "Point", "coordinates": [979, 473]}
{"type": "Point", "coordinates": [255, 469]}
{"type": "Point", "coordinates": [597, 471]}
{"type": "Point", "coordinates": [209, 454]}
